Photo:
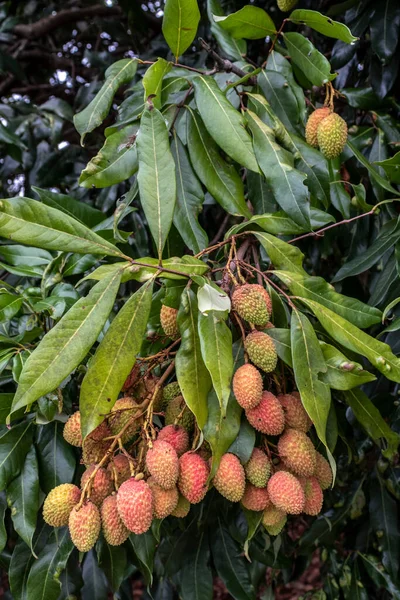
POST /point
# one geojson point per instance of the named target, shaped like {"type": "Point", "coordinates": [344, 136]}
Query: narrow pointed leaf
{"type": "Point", "coordinates": [57, 458]}
{"type": "Point", "coordinates": [153, 80]}
{"type": "Point", "coordinates": [230, 47]}
{"type": "Point", "coordinates": [282, 254]}
{"type": "Point", "coordinates": [342, 373]}
{"type": "Point", "coordinates": [391, 167]}
{"type": "Point", "coordinates": [66, 345]}
{"type": "Point", "coordinates": [373, 172]}
{"type": "Point", "coordinates": [196, 578]}
{"type": "Point", "coordinates": [156, 177]}
{"type": "Point", "coordinates": [14, 446]}
{"type": "Point", "coordinates": [384, 519]}
{"type": "Point", "coordinates": [322, 24]}
{"type": "Point", "coordinates": [180, 22]}
{"type": "Point", "coordinates": [304, 55]}
{"type": "Point", "coordinates": [114, 359]}
{"type": "Point", "coordinates": [249, 22]}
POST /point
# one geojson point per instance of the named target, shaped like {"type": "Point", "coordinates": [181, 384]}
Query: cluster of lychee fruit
{"type": "Point", "coordinates": [327, 131]}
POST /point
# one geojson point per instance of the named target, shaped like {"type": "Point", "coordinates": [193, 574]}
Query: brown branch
{"type": "Point", "coordinates": [226, 65]}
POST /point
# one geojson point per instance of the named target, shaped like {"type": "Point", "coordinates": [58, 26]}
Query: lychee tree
{"type": "Point", "coordinates": [196, 383]}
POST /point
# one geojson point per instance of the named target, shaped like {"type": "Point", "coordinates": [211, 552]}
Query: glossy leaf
{"type": "Point", "coordinates": [281, 97]}
{"type": "Point", "coordinates": [230, 47]}
{"type": "Point", "coordinates": [322, 24]}
{"type": "Point", "coordinates": [156, 177]}
{"type": "Point", "coordinates": [57, 458]}
{"type": "Point", "coordinates": [192, 374]}
{"type": "Point", "coordinates": [85, 213]}
{"type": "Point", "coordinates": [381, 181]}
{"type": "Point", "coordinates": [3, 532]}
{"type": "Point", "coordinates": [153, 78]}
{"type": "Point", "coordinates": [278, 223]}
{"type": "Point", "coordinates": [93, 115]}
{"type": "Point", "coordinates": [9, 305]}
{"type": "Point", "coordinates": [180, 22]}
{"type": "Point", "coordinates": [249, 22]}
{"type": "Point", "coordinates": [113, 561]}
{"type": "Point", "coordinates": [282, 254]}
{"type": "Point", "coordinates": [30, 222]}
{"type": "Point", "coordinates": [14, 446]}
{"type": "Point", "coordinates": [385, 29]}
{"type": "Point", "coordinates": [391, 167]}
{"type": "Point", "coordinates": [144, 546]}
{"type": "Point", "coordinates": [283, 347]}
{"type": "Point", "coordinates": [223, 122]}
{"type": "Point", "coordinates": [384, 519]}
{"type": "Point", "coordinates": [309, 60]}
{"type": "Point", "coordinates": [342, 373]}
{"type": "Point", "coordinates": [114, 359]}
{"type": "Point", "coordinates": [196, 576]}
{"type": "Point", "coordinates": [66, 345]}
{"type": "Point", "coordinates": [243, 445]}
{"type": "Point", "coordinates": [310, 161]}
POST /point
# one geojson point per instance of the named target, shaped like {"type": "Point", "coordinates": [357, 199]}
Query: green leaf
{"type": "Point", "coordinates": [95, 582]}
{"type": "Point", "coordinates": [310, 161]}
{"type": "Point", "coordinates": [243, 445]}
{"type": "Point", "coordinates": [277, 165]}
{"type": "Point", "coordinates": [305, 56]}
{"type": "Point", "coordinates": [57, 458]}
{"type": "Point", "coordinates": [81, 211]}
{"type": "Point", "coordinates": [282, 255]}
{"type": "Point", "coordinates": [189, 200]}
{"type": "Point", "coordinates": [14, 446]}
{"type": "Point", "coordinates": [308, 363]}
{"type": "Point", "coordinates": [113, 562]}
{"type": "Point", "coordinates": [32, 223]}
{"type": "Point", "coordinates": [3, 531]}
{"type": "Point", "coordinates": [114, 359]}
{"type": "Point", "coordinates": [371, 170]}
{"type": "Point", "coordinates": [385, 29]}
{"type": "Point", "coordinates": [281, 337]}
{"type": "Point", "coordinates": [249, 22]}
{"type": "Point", "coordinates": [220, 178]}
{"type": "Point", "coordinates": [196, 576]}
{"type": "Point", "coordinates": [43, 579]}
{"type": "Point", "coordinates": [277, 62]}
{"type": "Point", "coordinates": [372, 421]}
{"type": "Point", "coordinates": [384, 519]}
{"type": "Point", "coordinates": [192, 374]}
{"type": "Point", "coordinates": [18, 255]}
{"type": "Point", "coordinates": [9, 305]}
{"type": "Point", "coordinates": [23, 498]}
{"type": "Point", "coordinates": [322, 24]}
{"type": "Point", "coordinates": [115, 162]}
{"type": "Point", "coordinates": [216, 350]}
{"type": "Point", "coordinates": [144, 546]}
{"type": "Point", "coordinates": [180, 22]}
{"type": "Point", "coordinates": [316, 288]}
{"type": "Point", "coordinates": [153, 78]}
{"type": "Point", "coordinates": [342, 373]}
{"type": "Point", "coordinates": [156, 177]}
{"type": "Point", "coordinates": [66, 345]}
{"type": "Point", "coordinates": [232, 48]}
{"type": "Point", "coordinates": [93, 115]}
{"type": "Point", "coordinates": [391, 167]}
{"type": "Point", "coordinates": [341, 330]}
{"type": "Point", "coordinates": [380, 578]}
{"type": "Point", "coordinates": [223, 122]}
{"type": "Point", "coordinates": [22, 560]}
{"type": "Point", "coordinates": [5, 404]}
{"type": "Point", "coordinates": [281, 97]}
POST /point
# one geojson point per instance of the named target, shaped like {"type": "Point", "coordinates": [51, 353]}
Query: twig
{"type": "Point", "coordinates": [226, 65]}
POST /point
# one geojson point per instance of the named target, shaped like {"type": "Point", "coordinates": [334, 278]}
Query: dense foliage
{"type": "Point", "coordinates": [155, 156]}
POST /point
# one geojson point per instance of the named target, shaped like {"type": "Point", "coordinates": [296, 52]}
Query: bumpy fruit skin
{"type": "Point", "coordinates": [274, 520]}
{"type": "Point", "coordinates": [176, 436]}
{"type": "Point", "coordinates": [170, 391]}
{"type": "Point", "coordinates": [94, 446]}
{"type": "Point", "coordinates": [193, 475]}
{"type": "Point", "coordinates": [84, 526]}
{"type": "Point", "coordinates": [286, 5]}
{"type": "Point", "coordinates": [253, 303]}
{"type": "Point", "coordinates": [247, 386]}
{"type": "Point", "coordinates": [258, 468]}
{"type": "Point", "coordinates": [286, 493]}
{"type": "Point", "coordinates": [297, 452]}
{"type": "Point", "coordinates": [255, 498]}
{"type": "Point", "coordinates": [268, 417]}
{"type": "Point", "coordinates": [122, 411]}
{"type": "Point", "coordinates": [323, 472]}
{"type": "Point", "coordinates": [332, 135]}
{"type": "Point", "coordinates": [312, 124]}
{"type": "Point", "coordinates": [114, 530]}
{"type": "Point", "coordinates": [101, 485]}
{"type": "Point", "coordinates": [119, 469]}
{"type": "Point", "coordinates": [135, 505]}
{"type": "Point", "coordinates": [261, 350]}
{"type": "Point", "coordinates": [163, 464]}
{"type": "Point", "coordinates": [177, 410]}
{"type": "Point", "coordinates": [182, 508]}
{"type": "Point", "coordinates": [168, 320]}
{"type": "Point", "coordinates": [72, 430]}
{"type": "Point", "coordinates": [165, 501]}
{"type": "Point", "coordinates": [230, 479]}
{"type": "Point", "coordinates": [313, 494]}
{"type": "Point", "coordinates": [59, 503]}
{"type": "Point", "coordinates": [295, 413]}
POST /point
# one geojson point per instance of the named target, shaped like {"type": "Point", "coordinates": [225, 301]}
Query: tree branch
{"type": "Point", "coordinates": [225, 64]}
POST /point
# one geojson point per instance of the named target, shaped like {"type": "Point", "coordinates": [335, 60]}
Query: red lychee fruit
{"type": "Point", "coordinates": [177, 436]}
{"type": "Point", "coordinates": [297, 452]}
{"type": "Point", "coordinates": [296, 416]}
{"type": "Point", "coordinates": [165, 501]}
{"type": "Point", "coordinates": [255, 498]}
{"type": "Point", "coordinates": [268, 417]}
{"type": "Point", "coordinates": [163, 464]}
{"type": "Point", "coordinates": [193, 476]}
{"type": "Point", "coordinates": [114, 530]}
{"type": "Point", "coordinates": [323, 472]}
{"type": "Point", "coordinates": [313, 494]}
{"type": "Point", "coordinates": [247, 386]}
{"type": "Point", "coordinates": [101, 485]}
{"type": "Point", "coordinates": [286, 493]}
{"type": "Point", "coordinates": [135, 505]}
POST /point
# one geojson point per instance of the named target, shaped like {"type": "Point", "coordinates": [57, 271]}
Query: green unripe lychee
{"type": "Point", "coordinates": [258, 468]}
{"type": "Point", "coordinates": [123, 410]}
{"type": "Point", "coordinates": [169, 323]}
{"type": "Point", "coordinates": [332, 135]}
{"type": "Point", "coordinates": [182, 508]}
{"type": "Point", "coordinates": [252, 303]}
{"type": "Point", "coordinates": [313, 495]}
{"type": "Point", "coordinates": [261, 350]}
{"type": "Point", "coordinates": [296, 450]}
{"type": "Point", "coordinates": [165, 501]}
{"type": "Point", "coordinates": [323, 471]}
{"type": "Point", "coordinates": [286, 5]}
{"type": "Point", "coordinates": [72, 430]}
{"type": "Point", "coordinates": [178, 413]}
{"type": "Point", "coordinates": [170, 391]}
{"type": "Point", "coordinates": [59, 503]}
{"type": "Point", "coordinates": [274, 520]}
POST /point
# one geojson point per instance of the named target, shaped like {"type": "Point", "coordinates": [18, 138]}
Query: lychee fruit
{"type": "Point", "coordinates": [59, 503]}
{"type": "Point", "coordinates": [261, 350]}
{"type": "Point", "coordinates": [84, 526]}
{"type": "Point", "coordinates": [178, 413]}
{"type": "Point", "coordinates": [95, 446]}
{"type": "Point", "coordinates": [296, 416]}
{"type": "Point", "coordinates": [170, 391]}
{"type": "Point", "coordinates": [135, 505]}
{"type": "Point", "coordinates": [146, 388]}
{"type": "Point", "coordinates": [163, 464]}
{"type": "Point", "coordinates": [165, 501]}
{"type": "Point", "coordinates": [193, 475]}
{"type": "Point", "coordinates": [255, 498]}
{"type": "Point", "coordinates": [323, 471]}
{"type": "Point", "coordinates": [258, 468]}
{"type": "Point", "coordinates": [100, 486]}
{"type": "Point", "coordinates": [72, 430]}
{"type": "Point", "coordinates": [119, 469]}
{"type": "Point", "coordinates": [247, 386]}
{"type": "Point", "coordinates": [286, 5]}
{"type": "Point", "coordinates": [268, 417]}
{"type": "Point", "coordinates": [169, 322]}
{"type": "Point", "coordinates": [182, 508]}
{"type": "Point", "coordinates": [177, 436]}
{"type": "Point", "coordinates": [313, 495]}
{"type": "Point", "coordinates": [123, 410]}
{"type": "Point", "coordinates": [297, 452]}
{"type": "Point", "coordinates": [114, 530]}
{"type": "Point", "coordinates": [274, 520]}
{"type": "Point", "coordinates": [286, 493]}
{"type": "Point", "coordinates": [230, 479]}
{"type": "Point", "coordinates": [252, 303]}
{"type": "Point", "coordinates": [332, 135]}
{"type": "Point", "coordinates": [312, 124]}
